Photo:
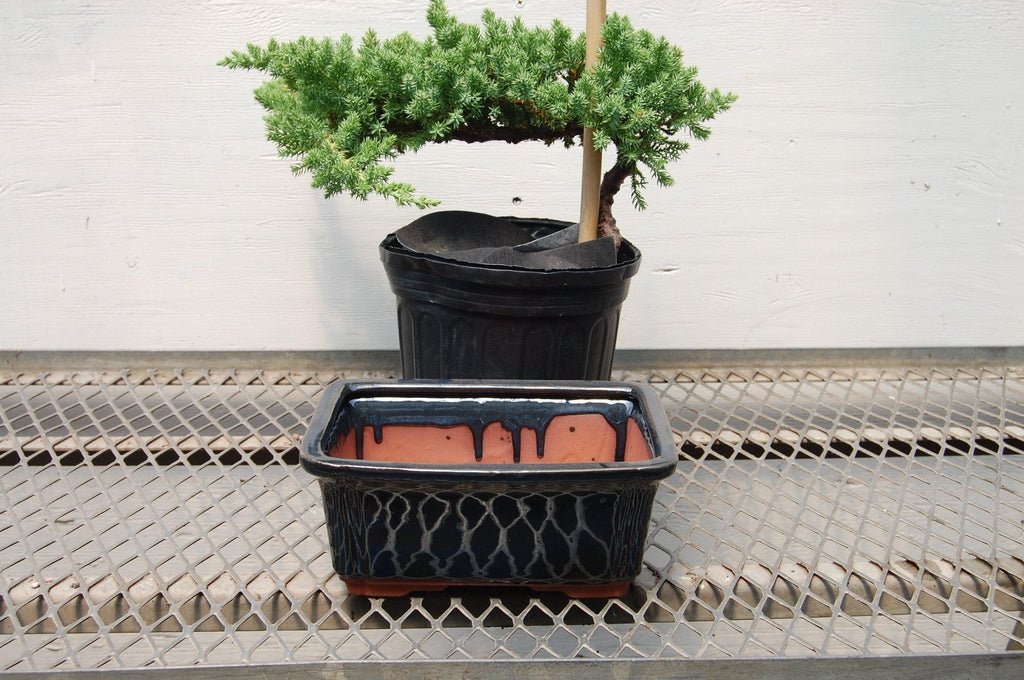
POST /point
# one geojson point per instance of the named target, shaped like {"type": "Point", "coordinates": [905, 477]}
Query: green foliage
{"type": "Point", "coordinates": [344, 111]}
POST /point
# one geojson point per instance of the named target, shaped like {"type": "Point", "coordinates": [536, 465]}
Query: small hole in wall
{"type": "Point", "coordinates": [516, 200]}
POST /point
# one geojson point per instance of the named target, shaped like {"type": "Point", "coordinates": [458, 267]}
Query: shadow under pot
{"type": "Point", "coordinates": [430, 485]}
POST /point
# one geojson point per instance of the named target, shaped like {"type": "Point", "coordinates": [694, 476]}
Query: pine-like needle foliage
{"type": "Point", "coordinates": [343, 111]}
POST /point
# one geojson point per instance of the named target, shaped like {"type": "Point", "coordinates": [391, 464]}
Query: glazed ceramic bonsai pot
{"type": "Point", "coordinates": [428, 485]}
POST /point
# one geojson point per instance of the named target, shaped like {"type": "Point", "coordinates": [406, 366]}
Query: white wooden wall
{"type": "Point", "coordinates": [866, 190]}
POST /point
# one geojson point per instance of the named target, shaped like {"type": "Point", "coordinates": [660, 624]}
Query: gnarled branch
{"type": "Point", "coordinates": [610, 185]}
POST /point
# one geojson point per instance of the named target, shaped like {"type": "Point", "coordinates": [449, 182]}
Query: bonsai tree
{"type": "Point", "coordinates": [344, 112]}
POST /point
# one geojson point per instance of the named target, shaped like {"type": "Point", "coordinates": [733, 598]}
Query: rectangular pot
{"type": "Point", "coordinates": [432, 484]}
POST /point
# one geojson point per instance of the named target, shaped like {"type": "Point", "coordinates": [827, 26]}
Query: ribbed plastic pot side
{"type": "Point", "coordinates": [467, 320]}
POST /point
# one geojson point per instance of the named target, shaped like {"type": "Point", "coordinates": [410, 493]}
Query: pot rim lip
{"type": "Point", "coordinates": [661, 464]}
{"type": "Point", "coordinates": [391, 247]}
{"type": "Point", "coordinates": [394, 247]}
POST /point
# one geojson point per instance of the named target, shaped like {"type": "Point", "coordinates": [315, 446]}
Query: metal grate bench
{"type": "Point", "coordinates": [155, 518]}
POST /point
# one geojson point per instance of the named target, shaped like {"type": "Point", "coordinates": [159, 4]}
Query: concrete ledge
{"type": "Point", "coordinates": [628, 359]}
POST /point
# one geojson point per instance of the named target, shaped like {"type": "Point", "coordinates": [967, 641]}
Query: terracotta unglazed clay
{"type": "Point", "coordinates": [582, 438]}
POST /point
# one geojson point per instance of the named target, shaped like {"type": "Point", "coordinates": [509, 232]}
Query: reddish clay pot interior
{"type": "Point", "coordinates": [575, 438]}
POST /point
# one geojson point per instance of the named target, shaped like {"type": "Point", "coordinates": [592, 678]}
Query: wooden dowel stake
{"type": "Point", "coordinates": [590, 195]}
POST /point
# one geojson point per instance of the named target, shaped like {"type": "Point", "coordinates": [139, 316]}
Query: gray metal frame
{"type": "Point", "coordinates": [155, 518]}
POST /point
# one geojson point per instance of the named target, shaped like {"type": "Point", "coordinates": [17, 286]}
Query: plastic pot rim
{"type": "Point", "coordinates": [396, 256]}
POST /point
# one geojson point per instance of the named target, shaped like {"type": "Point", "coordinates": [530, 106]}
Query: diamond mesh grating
{"type": "Point", "coordinates": [159, 518]}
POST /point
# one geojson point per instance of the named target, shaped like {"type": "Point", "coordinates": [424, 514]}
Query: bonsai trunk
{"type": "Point", "coordinates": [610, 185]}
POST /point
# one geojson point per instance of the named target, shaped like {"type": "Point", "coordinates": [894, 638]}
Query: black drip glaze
{"type": "Point", "coordinates": [478, 439]}
{"type": "Point", "coordinates": [619, 419]}
{"type": "Point", "coordinates": [359, 441]}
{"type": "Point", "coordinates": [512, 414]}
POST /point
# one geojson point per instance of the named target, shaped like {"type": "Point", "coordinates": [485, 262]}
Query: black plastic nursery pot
{"type": "Point", "coordinates": [467, 320]}
{"type": "Point", "coordinates": [428, 485]}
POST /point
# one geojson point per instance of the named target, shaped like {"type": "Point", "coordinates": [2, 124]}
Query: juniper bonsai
{"type": "Point", "coordinates": [343, 112]}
